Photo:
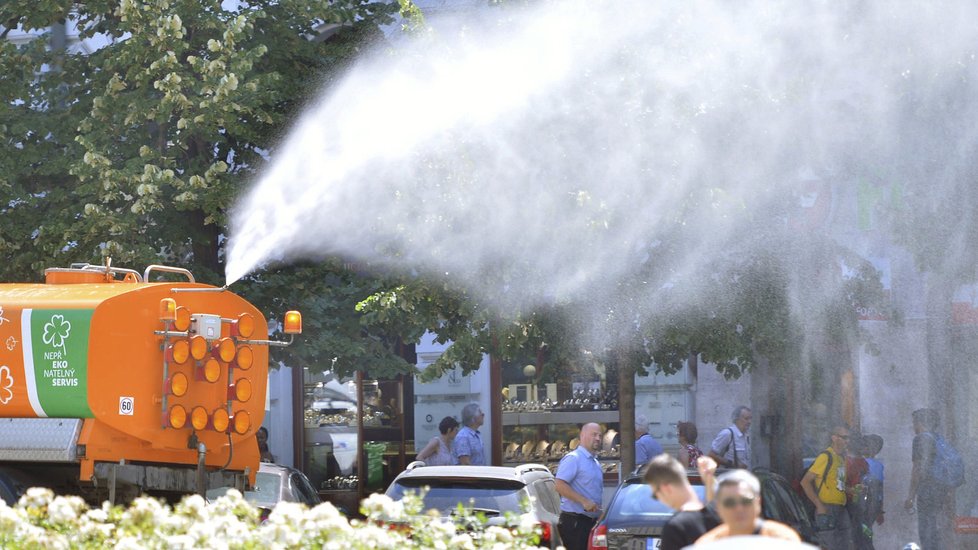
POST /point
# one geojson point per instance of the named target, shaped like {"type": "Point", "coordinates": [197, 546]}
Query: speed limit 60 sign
{"type": "Point", "coordinates": [126, 405]}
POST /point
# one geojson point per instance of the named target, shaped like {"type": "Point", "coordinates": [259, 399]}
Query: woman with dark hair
{"type": "Point", "coordinates": [688, 451]}
{"type": "Point", "coordinates": [438, 452]}
{"type": "Point", "coordinates": [262, 436]}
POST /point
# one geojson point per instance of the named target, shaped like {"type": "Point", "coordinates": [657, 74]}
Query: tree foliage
{"type": "Point", "coordinates": [748, 307]}
{"type": "Point", "coordinates": [159, 131]}
{"type": "Point", "coordinates": [137, 150]}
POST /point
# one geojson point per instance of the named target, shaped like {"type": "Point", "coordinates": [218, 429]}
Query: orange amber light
{"type": "Point", "coordinates": [292, 323]}
{"type": "Point", "coordinates": [198, 347]}
{"type": "Point", "coordinates": [220, 420]}
{"type": "Point", "coordinates": [245, 325]}
{"type": "Point", "coordinates": [242, 422]}
{"type": "Point", "coordinates": [245, 358]}
{"type": "Point", "coordinates": [168, 309]}
{"type": "Point", "coordinates": [199, 418]}
{"type": "Point", "coordinates": [179, 384]}
{"type": "Point", "coordinates": [178, 417]}
{"type": "Point", "coordinates": [211, 370]}
{"type": "Point", "coordinates": [180, 351]}
{"type": "Point", "coordinates": [242, 390]}
{"type": "Point", "coordinates": [182, 319]}
{"type": "Point", "coordinates": [224, 350]}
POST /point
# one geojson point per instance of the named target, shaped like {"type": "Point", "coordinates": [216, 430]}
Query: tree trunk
{"type": "Point", "coordinates": [496, 407]}
{"type": "Point", "coordinates": [940, 292]}
{"type": "Point", "coordinates": [626, 411]}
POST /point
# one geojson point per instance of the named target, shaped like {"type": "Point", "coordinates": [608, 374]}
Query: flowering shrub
{"type": "Point", "coordinates": [43, 520]}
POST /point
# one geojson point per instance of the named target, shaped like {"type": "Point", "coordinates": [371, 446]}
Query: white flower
{"type": "Point", "coordinates": [193, 506]}
{"type": "Point", "coordinates": [442, 529]}
{"type": "Point", "coordinates": [36, 497]}
{"type": "Point", "coordinates": [495, 533]}
{"type": "Point", "coordinates": [378, 506]}
{"type": "Point", "coordinates": [146, 512]}
{"type": "Point", "coordinates": [41, 520]}
{"type": "Point", "coordinates": [129, 543]}
{"type": "Point", "coordinates": [65, 509]}
{"type": "Point", "coordinates": [325, 518]}
{"type": "Point", "coordinates": [462, 541]}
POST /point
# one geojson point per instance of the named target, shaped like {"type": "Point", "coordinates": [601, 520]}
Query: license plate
{"type": "Point", "coordinates": [653, 543]}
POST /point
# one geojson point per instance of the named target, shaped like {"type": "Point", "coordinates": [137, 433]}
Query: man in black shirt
{"type": "Point", "coordinates": [667, 478]}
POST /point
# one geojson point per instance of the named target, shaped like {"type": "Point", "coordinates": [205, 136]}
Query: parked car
{"type": "Point", "coordinates": [633, 519]}
{"type": "Point", "coordinates": [13, 485]}
{"type": "Point", "coordinates": [782, 503]}
{"type": "Point", "coordinates": [275, 483]}
{"type": "Point", "coordinates": [490, 490]}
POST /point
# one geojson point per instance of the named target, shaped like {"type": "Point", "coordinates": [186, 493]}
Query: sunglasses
{"type": "Point", "coordinates": [732, 502]}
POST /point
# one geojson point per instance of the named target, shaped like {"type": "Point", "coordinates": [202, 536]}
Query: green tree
{"type": "Point", "coordinates": [136, 151]}
{"type": "Point", "coordinates": [165, 125]}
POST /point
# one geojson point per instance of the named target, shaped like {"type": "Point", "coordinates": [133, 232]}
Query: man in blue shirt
{"type": "Point", "coordinates": [467, 447]}
{"type": "Point", "coordinates": [580, 483]}
{"type": "Point", "coordinates": [646, 447]}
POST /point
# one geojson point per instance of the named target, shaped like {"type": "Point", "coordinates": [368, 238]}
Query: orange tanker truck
{"type": "Point", "coordinates": [112, 386]}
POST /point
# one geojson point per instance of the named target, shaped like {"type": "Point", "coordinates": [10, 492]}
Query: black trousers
{"type": "Point", "coordinates": [574, 530]}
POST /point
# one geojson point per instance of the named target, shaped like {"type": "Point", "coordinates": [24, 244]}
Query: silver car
{"type": "Point", "coordinates": [273, 484]}
{"type": "Point", "coordinates": [490, 490]}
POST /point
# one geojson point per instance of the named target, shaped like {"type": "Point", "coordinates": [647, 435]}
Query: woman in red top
{"type": "Point", "coordinates": [688, 451]}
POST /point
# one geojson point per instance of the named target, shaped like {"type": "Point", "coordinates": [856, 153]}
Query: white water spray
{"type": "Point", "coordinates": [548, 154]}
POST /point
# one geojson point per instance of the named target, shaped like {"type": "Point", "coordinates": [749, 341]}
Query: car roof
{"type": "Point", "coordinates": [270, 468]}
{"type": "Point", "coordinates": [275, 469]}
{"type": "Point", "coordinates": [692, 475]}
{"type": "Point", "coordinates": [517, 473]}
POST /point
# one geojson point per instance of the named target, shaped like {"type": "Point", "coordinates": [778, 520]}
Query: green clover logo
{"type": "Point", "coordinates": [6, 383]}
{"type": "Point", "coordinates": [56, 332]}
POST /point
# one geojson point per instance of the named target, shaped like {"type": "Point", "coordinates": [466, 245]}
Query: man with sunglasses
{"type": "Point", "coordinates": [825, 485]}
{"type": "Point", "coordinates": [739, 506]}
{"type": "Point", "coordinates": [666, 476]}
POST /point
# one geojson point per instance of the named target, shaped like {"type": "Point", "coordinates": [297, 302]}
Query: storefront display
{"type": "Point", "coordinates": [542, 419]}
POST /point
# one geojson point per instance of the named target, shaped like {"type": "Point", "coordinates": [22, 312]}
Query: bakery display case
{"type": "Point", "coordinates": [541, 425]}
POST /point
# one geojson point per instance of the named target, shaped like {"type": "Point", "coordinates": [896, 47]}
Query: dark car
{"type": "Point", "coordinates": [490, 490]}
{"type": "Point", "coordinates": [13, 485]}
{"type": "Point", "coordinates": [634, 520]}
{"type": "Point", "coordinates": [273, 484]}
{"type": "Point", "coordinates": [781, 503]}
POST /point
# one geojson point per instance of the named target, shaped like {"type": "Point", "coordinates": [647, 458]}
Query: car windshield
{"type": "Point", "coordinates": [265, 494]}
{"type": "Point", "coordinates": [444, 495]}
{"type": "Point", "coordinates": [634, 502]}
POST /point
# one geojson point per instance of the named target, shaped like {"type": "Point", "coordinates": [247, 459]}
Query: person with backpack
{"type": "Point", "coordinates": [731, 447]}
{"type": "Point", "coordinates": [937, 471]}
{"type": "Point", "coordinates": [863, 492]}
{"type": "Point", "coordinates": [870, 499]}
{"type": "Point", "coordinates": [825, 486]}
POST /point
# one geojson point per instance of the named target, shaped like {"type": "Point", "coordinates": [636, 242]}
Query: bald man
{"type": "Point", "coordinates": [580, 483]}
